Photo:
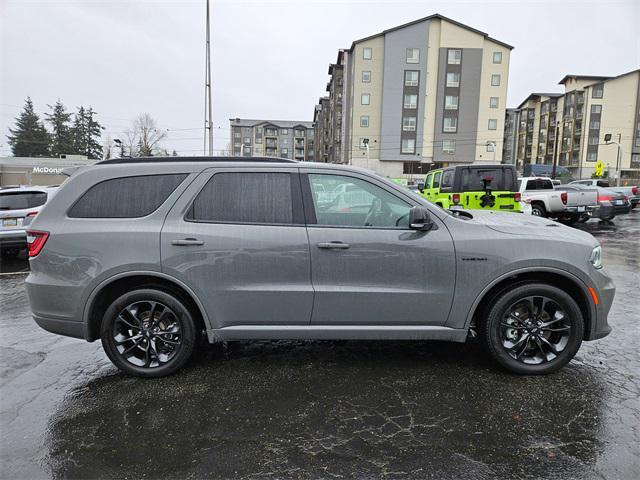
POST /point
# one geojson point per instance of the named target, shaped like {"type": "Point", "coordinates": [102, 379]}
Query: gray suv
{"type": "Point", "coordinates": [148, 255]}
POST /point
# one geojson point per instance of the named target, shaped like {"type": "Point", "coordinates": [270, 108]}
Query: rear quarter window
{"type": "Point", "coordinates": [126, 197]}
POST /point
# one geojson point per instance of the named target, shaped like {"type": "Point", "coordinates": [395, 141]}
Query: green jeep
{"type": "Point", "coordinates": [474, 187]}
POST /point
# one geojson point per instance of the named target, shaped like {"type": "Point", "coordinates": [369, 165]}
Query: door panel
{"type": "Point", "coordinates": [378, 274]}
{"type": "Point", "coordinates": [245, 274]}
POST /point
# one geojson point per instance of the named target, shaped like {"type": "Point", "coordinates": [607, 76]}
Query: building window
{"type": "Point", "coordinates": [413, 55]}
{"type": "Point", "coordinates": [247, 151]}
{"type": "Point", "coordinates": [366, 76]}
{"type": "Point", "coordinates": [495, 80]}
{"type": "Point", "coordinates": [237, 135]}
{"type": "Point", "coordinates": [364, 120]}
{"type": "Point", "coordinates": [596, 108]}
{"type": "Point", "coordinates": [493, 124]}
{"type": "Point", "coordinates": [453, 79]}
{"type": "Point", "coordinates": [411, 101]}
{"type": "Point", "coordinates": [258, 129]}
{"type": "Point", "coordinates": [285, 151]}
{"type": "Point", "coordinates": [597, 91]}
{"type": "Point", "coordinates": [271, 132]}
{"type": "Point", "coordinates": [285, 141]}
{"type": "Point", "coordinates": [367, 53]}
{"type": "Point", "coordinates": [497, 57]}
{"type": "Point", "coordinates": [365, 99]}
{"type": "Point", "coordinates": [448, 146]}
{"type": "Point", "coordinates": [409, 124]}
{"type": "Point", "coordinates": [450, 124]}
{"type": "Point", "coordinates": [408, 145]}
{"type": "Point", "coordinates": [451, 102]}
{"type": "Point", "coordinates": [284, 131]}
{"type": "Point", "coordinates": [594, 125]}
{"type": "Point", "coordinates": [247, 140]}
{"type": "Point", "coordinates": [454, 57]}
{"type": "Point", "coordinates": [493, 102]}
{"type": "Point", "coordinates": [592, 156]}
{"type": "Point", "coordinates": [491, 147]}
{"type": "Point", "coordinates": [593, 140]}
{"type": "Point", "coordinates": [411, 78]}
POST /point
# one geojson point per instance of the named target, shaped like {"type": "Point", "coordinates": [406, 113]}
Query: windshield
{"type": "Point", "coordinates": [21, 200]}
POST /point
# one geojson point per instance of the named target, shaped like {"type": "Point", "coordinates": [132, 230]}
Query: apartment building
{"type": "Point", "coordinates": [321, 130]}
{"type": "Point", "coordinates": [431, 92]}
{"type": "Point", "coordinates": [509, 143]}
{"type": "Point", "coordinates": [590, 108]}
{"type": "Point", "coordinates": [272, 138]}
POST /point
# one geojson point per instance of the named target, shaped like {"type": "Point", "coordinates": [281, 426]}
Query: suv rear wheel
{"type": "Point", "coordinates": [533, 329]}
{"type": "Point", "coordinates": [148, 333]}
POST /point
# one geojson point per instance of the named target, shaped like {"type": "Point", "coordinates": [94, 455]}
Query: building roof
{"type": "Point", "coordinates": [537, 95]}
{"type": "Point", "coordinates": [245, 122]}
{"type": "Point", "coordinates": [431, 17]}
{"type": "Point", "coordinates": [595, 78]}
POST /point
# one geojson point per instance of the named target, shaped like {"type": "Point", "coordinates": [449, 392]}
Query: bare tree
{"type": "Point", "coordinates": [143, 139]}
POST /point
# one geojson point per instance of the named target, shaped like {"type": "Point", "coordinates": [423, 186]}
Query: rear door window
{"type": "Point", "coordinates": [126, 197]}
{"type": "Point", "coordinates": [247, 197]}
{"type": "Point", "coordinates": [497, 179]}
{"type": "Point", "coordinates": [22, 200]}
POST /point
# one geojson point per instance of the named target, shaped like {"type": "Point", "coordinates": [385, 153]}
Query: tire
{"type": "Point", "coordinates": [520, 349]}
{"type": "Point", "coordinates": [538, 210]}
{"type": "Point", "coordinates": [142, 347]}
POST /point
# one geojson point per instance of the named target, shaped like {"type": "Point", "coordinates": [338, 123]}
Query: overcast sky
{"type": "Point", "coordinates": [270, 58]}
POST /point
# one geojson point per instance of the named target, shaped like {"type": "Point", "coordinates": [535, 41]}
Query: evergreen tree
{"type": "Point", "coordinates": [86, 133]}
{"type": "Point", "coordinates": [62, 135]}
{"type": "Point", "coordinates": [79, 132]}
{"type": "Point", "coordinates": [94, 132]}
{"type": "Point", "coordinates": [29, 138]}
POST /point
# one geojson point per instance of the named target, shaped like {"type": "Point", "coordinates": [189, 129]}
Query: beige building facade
{"type": "Point", "coordinates": [590, 109]}
{"type": "Point", "coordinates": [428, 93]}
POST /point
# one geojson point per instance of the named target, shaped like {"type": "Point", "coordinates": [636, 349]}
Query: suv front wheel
{"type": "Point", "coordinates": [533, 329]}
{"type": "Point", "coordinates": [148, 333]}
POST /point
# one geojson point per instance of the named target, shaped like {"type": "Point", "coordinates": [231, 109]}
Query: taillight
{"type": "Point", "coordinates": [604, 198]}
{"type": "Point", "coordinates": [32, 214]}
{"type": "Point", "coordinates": [456, 198]}
{"type": "Point", "coordinates": [517, 196]}
{"type": "Point", "coordinates": [563, 197]}
{"type": "Point", "coordinates": [35, 241]}
{"type": "Point", "coordinates": [634, 190]}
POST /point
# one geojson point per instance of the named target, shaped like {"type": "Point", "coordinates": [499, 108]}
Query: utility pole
{"type": "Point", "coordinates": [555, 150]}
{"type": "Point", "coordinates": [208, 112]}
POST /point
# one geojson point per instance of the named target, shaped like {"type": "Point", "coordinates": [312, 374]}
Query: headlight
{"type": "Point", "coordinates": [596, 257]}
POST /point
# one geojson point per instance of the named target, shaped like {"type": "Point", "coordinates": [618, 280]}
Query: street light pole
{"type": "Point", "coordinates": [608, 141]}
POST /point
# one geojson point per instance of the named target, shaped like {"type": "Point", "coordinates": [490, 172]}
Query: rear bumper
{"type": "Point", "coordinates": [13, 238]}
{"type": "Point", "coordinates": [61, 327]}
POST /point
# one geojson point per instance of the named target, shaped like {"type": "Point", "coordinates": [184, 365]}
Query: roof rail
{"type": "Point", "coordinates": [194, 159]}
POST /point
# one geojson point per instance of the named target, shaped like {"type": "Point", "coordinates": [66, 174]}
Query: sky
{"type": "Point", "coordinates": [269, 58]}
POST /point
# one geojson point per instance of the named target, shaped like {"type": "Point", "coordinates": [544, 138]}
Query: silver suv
{"type": "Point", "coordinates": [17, 207]}
{"type": "Point", "coordinates": [147, 255]}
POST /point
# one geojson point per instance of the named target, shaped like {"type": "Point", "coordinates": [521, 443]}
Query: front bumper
{"type": "Point", "coordinates": [606, 291]}
{"type": "Point", "coordinates": [13, 239]}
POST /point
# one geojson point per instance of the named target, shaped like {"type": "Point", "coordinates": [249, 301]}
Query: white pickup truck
{"type": "Point", "coordinates": [546, 201]}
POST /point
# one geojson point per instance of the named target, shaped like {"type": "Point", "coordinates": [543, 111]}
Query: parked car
{"type": "Point", "coordinates": [17, 206]}
{"type": "Point", "coordinates": [474, 187]}
{"type": "Point", "coordinates": [632, 192]}
{"type": "Point", "coordinates": [152, 252]}
{"type": "Point", "coordinates": [549, 201]}
{"type": "Point", "coordinates": [610, 203]}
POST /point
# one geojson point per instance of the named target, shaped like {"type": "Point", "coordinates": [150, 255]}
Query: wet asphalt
{"type": "Point", "coordinates": [325, 409]}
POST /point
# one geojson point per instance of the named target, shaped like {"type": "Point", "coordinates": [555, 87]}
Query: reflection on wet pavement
{"type": "Point", "coordinates": [325, 409]}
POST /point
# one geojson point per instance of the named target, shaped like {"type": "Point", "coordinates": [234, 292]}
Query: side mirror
{"type": "Point", "coordinates": [419, 219]}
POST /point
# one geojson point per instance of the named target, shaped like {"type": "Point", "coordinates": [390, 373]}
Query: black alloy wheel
{"type": "Point", "coordinates": [148, 333]}
{"type": "Point", "coordinates": [534, 329]}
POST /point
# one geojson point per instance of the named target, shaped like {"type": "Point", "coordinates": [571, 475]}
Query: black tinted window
{"type": "Point", "coordinates": [21, 200]}
{"type": "Point", "coordinates": [126, 197]}
{"type": "Point", "coordinates": [497, 179]}
{"type": "Point", "coordinates": [245, 198]}
{"type": "Point", "coordinates": [602, 183]}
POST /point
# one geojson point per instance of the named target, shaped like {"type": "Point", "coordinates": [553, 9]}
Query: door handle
{"type": "Point", "coordinates": [187, 242]}
{"type": "Point", "coordinates": [336, 245]}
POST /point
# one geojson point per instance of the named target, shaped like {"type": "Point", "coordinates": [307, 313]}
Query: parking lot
{"type": "Point", "coordinates": [324, 409]}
